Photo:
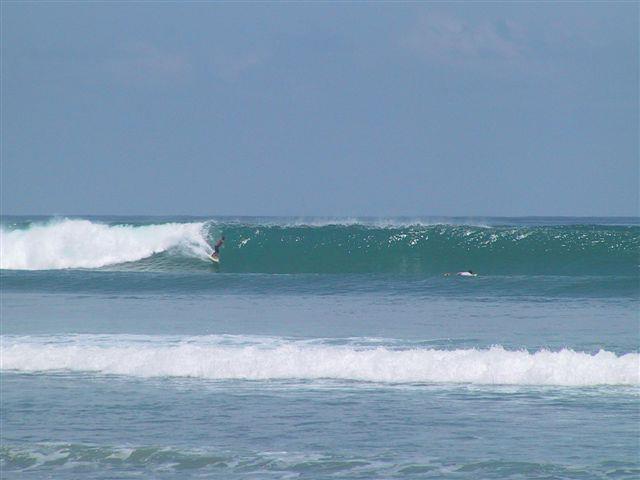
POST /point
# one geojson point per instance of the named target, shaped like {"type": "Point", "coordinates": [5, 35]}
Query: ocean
{"type": "Point", "coordinates": [320, 348]}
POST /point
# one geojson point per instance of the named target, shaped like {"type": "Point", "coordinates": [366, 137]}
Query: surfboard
{"type": "Point", "coordinates": [214, 259]}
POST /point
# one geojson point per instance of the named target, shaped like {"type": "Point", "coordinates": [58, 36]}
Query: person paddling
{"type": "Point", "coordinates": [467, 273]}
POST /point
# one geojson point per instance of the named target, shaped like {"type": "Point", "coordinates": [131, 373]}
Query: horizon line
{"type": "Point", "coordinates": [302, 216]}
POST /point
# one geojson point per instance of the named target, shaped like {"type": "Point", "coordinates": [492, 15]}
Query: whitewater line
{"type": "Point", "coordinates": [293, 360]}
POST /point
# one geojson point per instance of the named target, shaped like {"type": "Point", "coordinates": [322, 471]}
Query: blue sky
{"type": "Point", "coordinates": [320, 109]}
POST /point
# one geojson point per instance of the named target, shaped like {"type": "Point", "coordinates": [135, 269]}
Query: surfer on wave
{"type": "Point", "coordinates": [216, 247]}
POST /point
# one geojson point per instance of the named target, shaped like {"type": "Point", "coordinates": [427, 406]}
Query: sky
{"type": "Point", "coordinates": [329, 109]}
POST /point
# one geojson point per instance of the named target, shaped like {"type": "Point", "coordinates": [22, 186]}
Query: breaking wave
{"type": "Point", "coordinates": [225, 357]}
{"type": "Point", "coordinates": [263, 246]}
{"type": "Point", "coordinates": [84, 244]}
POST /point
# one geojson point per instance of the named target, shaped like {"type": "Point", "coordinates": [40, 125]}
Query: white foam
{"type": "Point", "coordinates": [220, 358]}
{"type": "Point", "coordinates": [70, 243]}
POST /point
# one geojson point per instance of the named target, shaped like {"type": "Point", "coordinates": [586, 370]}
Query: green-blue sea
{"type": "Point", "coordinates": [319, 348]}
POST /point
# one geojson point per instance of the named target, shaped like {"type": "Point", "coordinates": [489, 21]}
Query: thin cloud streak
{"type": "Point", "coordinates": [450, 40]}
{"type": "Point", "coordinates": [230, 66]}
{"type": "Point", "coordinates": [143, 63]}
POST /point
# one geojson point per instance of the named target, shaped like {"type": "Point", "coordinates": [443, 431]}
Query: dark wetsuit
{"type": "Point", "coordinates": [216, 247]}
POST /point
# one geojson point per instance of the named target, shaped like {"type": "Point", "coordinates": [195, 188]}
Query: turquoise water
{"type": "Point", "coordinates": [320, 348]}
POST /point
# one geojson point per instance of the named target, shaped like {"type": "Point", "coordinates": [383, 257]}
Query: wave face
{"type": "Point", "coordinates": [251, 358]}
{"type": "Point", "coordinates": [262, 247]}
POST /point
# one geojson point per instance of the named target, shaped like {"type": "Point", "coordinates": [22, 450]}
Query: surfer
{"type": "Point", "coordinates": [216, 247]}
